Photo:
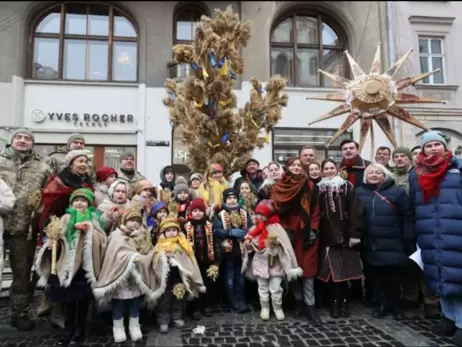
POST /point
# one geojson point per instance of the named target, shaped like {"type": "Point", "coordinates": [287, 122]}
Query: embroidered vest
{"type": "Point", "coordinates": [208, 234]}
{"type": "Point", "coordinates": [233, 220]}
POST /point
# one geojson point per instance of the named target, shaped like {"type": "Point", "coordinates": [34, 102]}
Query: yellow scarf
{"type": "Point", "coordinates": [172, 245]}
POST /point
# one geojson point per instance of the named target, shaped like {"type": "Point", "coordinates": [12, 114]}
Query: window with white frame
{"type": "Point", "coordinates": [431, 54]}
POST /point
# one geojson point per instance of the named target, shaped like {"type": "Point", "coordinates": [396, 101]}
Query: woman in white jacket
{"type": "Point", "coordinates": [7, 201]}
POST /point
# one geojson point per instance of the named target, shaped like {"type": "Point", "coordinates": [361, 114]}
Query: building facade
{"type": "Point", "coordinates": [99, 68]}
{"type": "Point", "coordinates": [432, 27]}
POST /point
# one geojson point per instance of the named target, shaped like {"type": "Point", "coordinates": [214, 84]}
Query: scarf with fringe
{"type": "Point", "coordinates": [331, 186]}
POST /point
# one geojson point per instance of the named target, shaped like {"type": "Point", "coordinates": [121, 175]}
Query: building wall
{"type": "Point", "coordinates": [364, 25]}
{"type": "Point", "coordinates": [442, 20]}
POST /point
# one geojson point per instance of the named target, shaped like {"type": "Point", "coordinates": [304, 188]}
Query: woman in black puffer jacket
{"type": "Point", "coordinates": [389, 236]}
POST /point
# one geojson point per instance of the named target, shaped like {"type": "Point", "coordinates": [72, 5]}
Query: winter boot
{"type": "Point", "coordinates": [134, 329]}
{"type": "Point", "coordinates": [381, 311]}
{"type": "Point", "coordinates": [119, 331]}
{"type": "Point", "coordinates": [82, 311]}
{"type": "Point", "coordinates": [457, 338]}
{"type": "Point", "coordinates": [241, 304]}
{"type": "Point", "coordinates": [179, 323]}
{"type": "Point", "coordinates": [445, 328]}
{"type": "Point", "coordinates": [344, 309]}
{"type": "Point", "coordinates": [163, 328]}
{"type": "Point", "coordinates": [313, 317]}
{"type": "Point", "coordinates": [335, 309]}
{"type": "Point", "coordinates": [431, 311]}
{"type": "Point", "coordinates": [278, 312]}
{"type": "Point", "coordinates": [298, 309]}
{"type": "Point", "coordinates": [22, 323]}
{"type": "Point", "coordinates": [265, 310]}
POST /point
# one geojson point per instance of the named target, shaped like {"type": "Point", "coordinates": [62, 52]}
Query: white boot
{"type": "Point", "coordinates": [134, 329]}
{"type": "Point", "coordinates": [265, 311]}
{"type": "Point", "coordinates": [278, 312]}
{"type": "Point", "coordinates": [119, 331]}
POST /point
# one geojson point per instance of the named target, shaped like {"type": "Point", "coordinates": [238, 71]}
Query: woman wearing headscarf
{"type": "Point", "coordinates": [342, 222]}
{"type": "Point", "coordinates": [167, 182]}
{"type": "Point", "coordinates": [111, 209]}
{"type": "Point", "coordinates": [275, 172]}
{"type": "Point", "coordinates": [296, 198]}
{"type": "Point", "coordinates": [105, 176]}
{"type": "Point", "coordinates": [211, 190]}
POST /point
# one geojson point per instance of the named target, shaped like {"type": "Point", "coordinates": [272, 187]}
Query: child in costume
{"type": "Point", "coordinates": [81, 245]}
{"type": "Point", "coordinates": [181, 200]}
{"type": "Point", "coordinates": [230, 226]}
{"type": "Point", "coordinates": [247, 199]}
{"type": "Point", "coordinates": [127, 274]}
{"type": "Point", "coordinates": [269, 258]}
{"type": "Point", "coordinates": [195, 181]}
{"type": "Point", "coordinates": [211, 190]}
{"type": "Point", "coordinates": [158, 212]}
{"type": "Point", "coordinates": [177, 273]}
{"type": "Point", "coordinates": [199, 231]}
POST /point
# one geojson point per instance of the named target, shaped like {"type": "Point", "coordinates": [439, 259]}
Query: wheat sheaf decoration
{"type": "Point", "coordinates": [203, 107]}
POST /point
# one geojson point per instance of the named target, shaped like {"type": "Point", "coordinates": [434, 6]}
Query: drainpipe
{"type": "Point", "coordinates": [391, 58]}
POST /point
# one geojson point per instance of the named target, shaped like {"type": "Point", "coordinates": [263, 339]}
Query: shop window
{"type": "Point", "coordinates": [301, 44]}
{"type": "Point", "coordinates": [78, 41]}
{"type": "Point", "coordinates": [112, 155]}
{"type": "Point", "coordinates": [184, 26]}
{"type": "Point", "coordinates": [288, 141]}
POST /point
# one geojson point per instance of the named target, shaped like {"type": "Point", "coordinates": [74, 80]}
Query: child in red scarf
{"type": "Point", "coordinates": [268, 258]}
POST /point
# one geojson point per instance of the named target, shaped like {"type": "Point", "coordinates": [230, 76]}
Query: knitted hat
{"type": "Point", "coordinates": [197, 204]}
{"type": "Point", "coordinates": [415, 147]}
{"type": "Point", "coordinates": [103, 173]}
{"type": "Point", "coordinates": [181, 185]}
{"type": "Point", "coordinates": [73, 137]}
{"type": "Point", "coordinates": [265, 208]}
{"type": "Point", "coordinates": [214, 168]}
{"type": "Point", "coordinates": [169, 222]}
{"type": "Point", "coordinates": [227, 193]}
{"type": "Point", "coordinates": [432, 136]}
{"type": "Point", "coordinates": [196, 176]}
{"type": "Point", "coordinates": [403, 150]}
{"type": "Point", "coordinates": [83, 193]}
{"type": "Point", "coordinates": [131, 213]}
{"type": "Point", "coordinates": [72, 155]}
{"type": "Point", "coordinates": [142, 185]}
{"type": "Point", "coordinates": [157, 207]}
{"type": "Point", "coordinates": [22, 131]}
{"type": "Point", "coordinates": [126, 155]}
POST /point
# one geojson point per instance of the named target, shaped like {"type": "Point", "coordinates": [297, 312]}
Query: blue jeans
{"type": "Point", "coordinates": [235, 282]}
{"type": "Point", "coordinates": [452, 309]}
{"type": "Point", "coordinates": [118, 308]}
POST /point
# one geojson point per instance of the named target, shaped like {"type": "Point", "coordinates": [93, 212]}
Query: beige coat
{"type": "Point", "coordinates": [101, 193]}
{"type": "Point", "coordinates": [110, 223]}
{"type": "Point", "coordinates": [87, 253]}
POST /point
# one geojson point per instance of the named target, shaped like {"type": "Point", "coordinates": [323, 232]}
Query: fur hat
{"type": "Point", "coordinates": [227, 193]}
{"type": "Point", "coordinates": [103, 173]}
{"type": "Point", "coordinates": [110, 191]}
{"type": "Point", "coordinates": [82, 193]}
{"type": "Point", "coordinates": [72, 155]}
{"type": "Point", "coordinates": [197, 204]}
{"type": "Point", "coordinates": [169, 222]}
{"type": "Point", "coordinates": [181, 185]}
{"type": "Point", "coordinates": [196, 176]}
{"type": "Point", "coordinates": [73, 137]}
{"type": "Point", "coordinates": [266, 208]}
{"type": "Point", "coordinates": [22, 131]}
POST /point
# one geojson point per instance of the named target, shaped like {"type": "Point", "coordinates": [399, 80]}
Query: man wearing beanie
{"type": "Point", "coordinates": [128, 173]}
{"type": "Point", "coordinates": [436, 190]}
{"type": "Point", "coordinates": [56, 159]}
{"type": "Point", "coordinates": [415, 152]}
{"type": "Point", "coordinates": [413, 280]}
{"type": "Point", "coordinates": [252, 174]}
{"type": "Point", "coordinates": [25, 173]}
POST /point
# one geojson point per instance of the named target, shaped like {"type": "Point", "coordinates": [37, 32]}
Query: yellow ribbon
{"type": "Point", "coordinates": [213, 146]}
{"type": "Point", "coordinates": [204, 72]}
{"type": "Point", "coordinates": [198, 104]}
{"type": "Point", "coordinates": [223, 103]}
{"type": "Point", "coordinates": [267, 137]}
{"type": "Point", "coordinates": [251, 119]}
{"type": "Point", "coordinates": [224, 68]}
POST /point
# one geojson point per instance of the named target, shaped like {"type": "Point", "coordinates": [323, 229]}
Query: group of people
{"type": "Point", "coordinates": [327, 232]}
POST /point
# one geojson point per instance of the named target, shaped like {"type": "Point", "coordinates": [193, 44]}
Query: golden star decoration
{"type": "Point", "coordinates": [373, 96]}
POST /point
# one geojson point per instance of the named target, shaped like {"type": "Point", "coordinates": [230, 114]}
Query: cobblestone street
{"type": "Point", "coordinates": [226, 329]}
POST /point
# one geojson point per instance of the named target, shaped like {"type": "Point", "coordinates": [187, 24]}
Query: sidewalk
{"type": "Point", "coordinates": [226, 329]}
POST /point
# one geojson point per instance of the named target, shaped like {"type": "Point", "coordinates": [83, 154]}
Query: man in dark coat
{"type": "Point", "coordinates": [251, 174]}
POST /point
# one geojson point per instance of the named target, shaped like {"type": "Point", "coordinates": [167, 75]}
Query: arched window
{"type": "Point", "coordinates": [84, 41]}
{"type": "Point", "coordinates": [302, 44]}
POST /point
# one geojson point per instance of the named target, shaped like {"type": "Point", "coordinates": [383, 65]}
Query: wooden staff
{"type": "Point", "coordinates": [53, 233]}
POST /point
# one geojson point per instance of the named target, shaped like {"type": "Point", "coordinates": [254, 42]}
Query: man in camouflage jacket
{"type": "Point", "coordinates": [56, 159]}
{"type": "Point", "coordinates": [23, 171]}
{"type": "Point", "coordinates": [128, 173]}
{"type": "Point", "coordinates": [413, 280]}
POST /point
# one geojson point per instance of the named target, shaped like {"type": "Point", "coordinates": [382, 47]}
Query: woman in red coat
{"type": "Point", "coordinates": [297, 200]}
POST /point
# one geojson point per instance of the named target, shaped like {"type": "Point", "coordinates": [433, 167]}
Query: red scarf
{"type": "Point", "coordinates": [430, 172]}
{"type": "Point", "coordinates": [260, 229]}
